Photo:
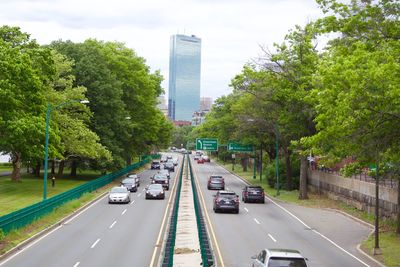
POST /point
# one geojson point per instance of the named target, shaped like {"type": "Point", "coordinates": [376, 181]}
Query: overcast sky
{"type": "Point", "coordinates": [231, 30]}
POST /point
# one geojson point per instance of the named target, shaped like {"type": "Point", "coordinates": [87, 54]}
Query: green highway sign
{"type": "Point", "coordinates": [207, 144]}
{"type": "Point", "coordinates": [232, 146]}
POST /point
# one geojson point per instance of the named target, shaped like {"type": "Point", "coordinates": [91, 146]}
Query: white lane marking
{"type": "Point", "coordinates": [139, 194]}
{"type": "Point", "coordinates": [112, 225]}
{"type": "Point", "coordinates": [143, 190]}
{"type": "Point", "coordinates": [133, 201]}
{"type": "Point", "coordinates": [309, 228]}
{"type": "Point", "coordinates": [257, 222]}
{"type": "Point", "coordinates": [95, 243]}
{"type": "Point", "coordinates": [270, 236]}
{"type": "Point", "coordinates": [74, 217]}
{"type": "Point", "coordinates": [246, 209]}
{"type": "Point", "coordinates": [153, 257]}
{"type": "Point", "coordinates": [124, 211]}
{"type": "Point", "coordinates": [76, 264]}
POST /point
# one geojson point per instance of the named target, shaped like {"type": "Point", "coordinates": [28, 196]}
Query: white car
{"type": "Point", "coordinates": [279, 257]}
{"type": "Point", "coordinates": [119, 194]}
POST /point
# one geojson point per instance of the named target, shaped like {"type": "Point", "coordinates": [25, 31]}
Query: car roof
{"type": "Point", "coordinates": [155, 185]}
{"type": "Point", "coordinates": [128, 179]}
{"type": "Point", "coordinates": [279, 252]}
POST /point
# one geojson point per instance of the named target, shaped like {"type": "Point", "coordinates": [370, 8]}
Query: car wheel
{"type": "Point", "coordinates": [263, 201]}
{"type": "Point", "coordinates": [208, 188]}
{"type": "Point", "coordinates": [237, 211]}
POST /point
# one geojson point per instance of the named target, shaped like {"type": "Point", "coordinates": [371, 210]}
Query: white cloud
{"type": "Point", "coordinates": [231, 30]}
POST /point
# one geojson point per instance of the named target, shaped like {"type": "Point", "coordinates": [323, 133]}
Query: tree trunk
{"type": "Point", "coordinates": [128, 161]}
{"type": "Point", "coordinates": [289, 180]}
{"type": "Point", "coordinates": [16, 163]}
{"type": "Point", "coordinates": [303, 178]}
{"type": "Point", "coordinates": [244, 164]}
{"type": "Point", "coordinates": [53, 166]}
{"type": "Point", "coordinates": [61, 169]}
{"type": "Point", "coordinates": [37, 169]}
{"type": "Point", "coordinates": [398, 208]}
{"type": "Point", "coordinates": [74, 166]}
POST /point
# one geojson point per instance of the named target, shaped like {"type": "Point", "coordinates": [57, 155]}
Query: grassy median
{"type": "Point", "coordinates": [389, 241]}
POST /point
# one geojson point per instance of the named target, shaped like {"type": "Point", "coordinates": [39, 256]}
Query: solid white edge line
{"type": "Point", "coordinates": [124, 212]}
{"type": "Point", "coordinates": [28, 246]}
{"type": "Point", "coordinates": [95, 243]}
{"type": "Point", "coordinates": [257, 222]}
{"type": "Point", "coordinates": [309, 228]}
{"type": "Point", "coordinates": [208, 218]}
{"type": "Point", "coordinates": [112, 225]}
{"type": "Point", "coordinates": [246, 209]}
{"type": "Point", "coordinates": [270, 236]}
{"type": "Point", "coordinates": [76, 264]}
{"type": "Point", "coordinates": [153, 257]}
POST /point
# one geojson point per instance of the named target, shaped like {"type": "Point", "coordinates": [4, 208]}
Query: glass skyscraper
{"type": "Point", "coordinates": [184, 77]}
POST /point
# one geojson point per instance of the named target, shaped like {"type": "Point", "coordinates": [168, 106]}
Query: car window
{"type": "Point", "coordinates": [128, 181]}
{"type": "Point", "coordinates": [155, 186]}
{"type": "Point", "coordinates": [227, 195]}
{"type": "Point", "coordinates": [119, 190]}
{"type": "Point", "coordinates": [292, 262]}
{"type": "Point", "coordinates": [261, 256]}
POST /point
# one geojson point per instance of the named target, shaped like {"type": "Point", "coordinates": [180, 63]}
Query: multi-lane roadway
{"type": "Point", "coordinates": [132, 234]}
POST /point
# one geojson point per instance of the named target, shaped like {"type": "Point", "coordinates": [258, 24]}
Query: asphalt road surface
{"type": "Point", "coordinates": [103, 235]}
{"type": "Point", "coordinates": [326, 238]}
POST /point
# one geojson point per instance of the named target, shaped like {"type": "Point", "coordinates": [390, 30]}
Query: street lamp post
{"type": "Point", "coordinates": [46, 147]}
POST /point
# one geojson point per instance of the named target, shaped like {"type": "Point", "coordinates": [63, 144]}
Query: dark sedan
{"type": "Point", "coordinates": [216, 182]}
{"type": "Point", "coordinates": [155, 191]}
{"type": "Point", "coordinates": [155, 165]}
{"type": "Point", "coordinates": [161, 179]}
{"type": "Point", "coordinates": [226, 201]}
{"type": "Point", "coordinates": [169, 165]}
{"type": "Point", "coordinates": [130, 184]}
{"type": "Point", "coordinates": [253, 193]}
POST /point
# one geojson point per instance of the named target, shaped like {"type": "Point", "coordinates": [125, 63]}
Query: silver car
{"type": "Point", "coordinates": [279, 257]}
{"type": "Point", "coordinates": [119, 194]}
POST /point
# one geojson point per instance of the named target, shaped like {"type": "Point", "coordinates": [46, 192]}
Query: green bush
{"type": "Point", "coordinates": [351, 169]}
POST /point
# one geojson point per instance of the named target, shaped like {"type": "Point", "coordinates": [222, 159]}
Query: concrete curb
{"type": "Point", "coordinates": [335, 210]}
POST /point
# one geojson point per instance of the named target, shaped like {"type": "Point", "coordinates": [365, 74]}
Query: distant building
{"type": "Point", "coordinates": [198, 117]}
{"type": "Point", "coordinates": [184, 77]}
{"type": "Point", "coordinates": [182, 123]}
{"type": "Point", "coordinates": [206, 103]}
{"type": "Point", "coordinates": [162, 105]}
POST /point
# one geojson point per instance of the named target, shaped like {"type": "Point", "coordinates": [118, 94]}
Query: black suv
{"type": "Point", "coordinates": [155, 165]}
{"type": "Point", "coordinates": [226, 200]}
{"type": "Point", "coordinates": [253, 193]}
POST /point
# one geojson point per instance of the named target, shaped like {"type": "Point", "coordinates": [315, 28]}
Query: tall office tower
{"type": "Point", "coordinates": [184, 77]}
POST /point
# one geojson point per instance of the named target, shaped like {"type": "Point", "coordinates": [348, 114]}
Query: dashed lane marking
{"type": "Point", "coordinates": [270, 236]}
{"type": "Point", "coordinates": [257, 222]}
{"type": "Point", "coordinates": [112, 225]}
{"type": "Point", "coordinates": [95, 243]}
{"type": "Point", "coordinates": [124, 211]}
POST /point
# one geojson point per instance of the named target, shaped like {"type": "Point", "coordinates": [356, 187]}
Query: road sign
{"type": "Point", "coordinates": [210, 144]}
{"type": "Point", "coordinates": [232, 146]}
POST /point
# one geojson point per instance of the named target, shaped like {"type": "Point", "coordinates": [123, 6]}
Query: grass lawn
{"type": "Point", "coordinates": [389, 241]}
{"type": "Point", "coordinates": [17, 195]}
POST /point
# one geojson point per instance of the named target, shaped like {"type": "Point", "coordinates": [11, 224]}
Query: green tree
{"type": "Point", "coordinates": [26, 71]}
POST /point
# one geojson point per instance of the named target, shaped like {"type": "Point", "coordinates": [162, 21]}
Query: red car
{"type": "Point", "coordinates": [200, 161]}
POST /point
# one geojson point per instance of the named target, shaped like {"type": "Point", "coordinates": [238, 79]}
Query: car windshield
{"type": "Point", "coordinates": [216, 179]}
{"type": "Point", "coordinates": [155, 187]}
{"type": "Point", "coordinates": [159, 176]}
{"type": "Point", "coordinates": [128, 181]}
{"type": "Point", "coordinates": [163, 172]}
{"type": "Point", "coordinates": [118, 190]}
{"type": "Point", "coordinates": [228, 195]}
{"type": "Point", "coordinates": [292, 262]}
{"type": "Point", "coordinates": [156, 162]}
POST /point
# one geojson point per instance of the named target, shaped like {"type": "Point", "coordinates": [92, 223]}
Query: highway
{"type": "Point", "coordinates": [325, 238]}
{"type": "Point", "coordinates": [103, 235]}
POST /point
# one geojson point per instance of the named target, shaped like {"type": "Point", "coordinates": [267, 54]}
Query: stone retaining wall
{"type": "Point", "coordinates": [359, 194]}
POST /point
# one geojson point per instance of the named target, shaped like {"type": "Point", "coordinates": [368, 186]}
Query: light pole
{"type": "Point", "coordinates": [46, 147]}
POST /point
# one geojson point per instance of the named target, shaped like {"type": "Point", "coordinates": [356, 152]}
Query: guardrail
{"type": "Point", "coordinates": [168, 259]}
{"type": "Point", "coordinates": [205, 248]}
{"type": "Point", "coordinates": [27, 215]}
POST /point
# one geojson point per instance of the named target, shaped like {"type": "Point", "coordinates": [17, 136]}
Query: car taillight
{"type": "Point", "coordinates": [246, 193]}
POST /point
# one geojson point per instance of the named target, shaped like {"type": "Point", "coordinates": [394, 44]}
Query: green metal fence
{"type": "Point", "coordinates": [27, 215]}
